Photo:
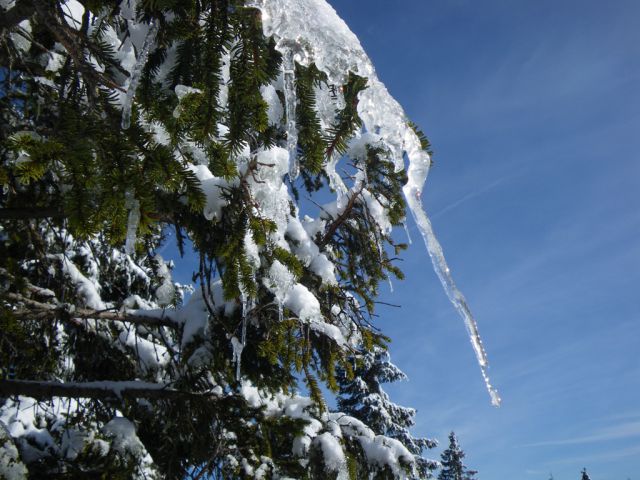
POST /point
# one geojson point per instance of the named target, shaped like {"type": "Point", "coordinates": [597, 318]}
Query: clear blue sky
{"type": "Point", "coordinates": [533, 109]}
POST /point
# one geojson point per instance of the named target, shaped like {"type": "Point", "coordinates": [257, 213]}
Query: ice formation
{"type": "Point", "coordinates": [417, 174]}
{"type": "Point", "coordinates": [132, 221]}
{"type": "Point", "coordinates": [136, 73]}
{"type": "Point", "coordinates": [336, 50]}
{"type": "Point", "coordinates": [288, 72]}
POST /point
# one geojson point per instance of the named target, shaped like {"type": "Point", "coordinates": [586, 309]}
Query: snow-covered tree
{"type": "Point", "coordinates": [128, 125]}
{"type": "Point", "coordinates": [362, 396]}
{"type": "Point", "coordinates": [585, 475]}
{"type": "Point", "coordinates": [453, 467]}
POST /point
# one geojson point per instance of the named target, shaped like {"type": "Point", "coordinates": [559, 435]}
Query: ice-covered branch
{"type": "Point", "coordinates": [47, 311]}
{"type": "Point", "coordinates": [97, 390]}
{"type": "Point", "coordinates": [136, 74]}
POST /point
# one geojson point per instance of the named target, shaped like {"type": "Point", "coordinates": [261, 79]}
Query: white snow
{"type": "Point", "coordinates": [212, 187]}
{"type": "Point", "coordinates": [332, 451]}
{"type": "Point", "coordinates": [86, 289]}
{"type": "Point", "coordinates": [123, 433]}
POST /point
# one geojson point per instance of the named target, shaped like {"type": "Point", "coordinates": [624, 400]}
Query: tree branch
{"type": "Point", "coordinates": [43, 311]}
{"type": "Point", "coordinates": [98, 390]}
{"type": "Point", "coordinates": [28, 213]}
{"type": "Point", "coordinates": [341, 218]}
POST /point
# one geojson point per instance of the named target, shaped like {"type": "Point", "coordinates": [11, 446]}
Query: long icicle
{"type": "Point", "coordinates": [136, 73]}
{"type": "Point", "coordinates": [417, 174]}
{"type": "Point", "coordinates": [133, 205]}
{"type": "Point", "coordinates": [289, 71]}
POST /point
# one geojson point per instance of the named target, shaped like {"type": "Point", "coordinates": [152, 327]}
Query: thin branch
{"type": "Point", "coordinates": [43, 311]}
{"type": "Point", "coordinates": [29, 213]}
{"type": "Point", "coordinates": [97, 390]}
{"type": "Point", "coordinates": [341, 218]}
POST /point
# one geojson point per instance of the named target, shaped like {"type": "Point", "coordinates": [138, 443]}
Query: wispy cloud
{"type": "Point", "coordinates": [623, 430]}
{"type": "Point", "coordinates": [616, 454]}
{"type": "Point", "coordinates": [471, 195]}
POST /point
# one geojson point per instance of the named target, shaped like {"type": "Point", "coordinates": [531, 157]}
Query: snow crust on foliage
{"type": "Point", "coordinates": [11, 468]}
{"type": "Point", "coordinates": [41, 430]}
{"type": "Point", "coordinates": [88, 290]}
{"type": "Point", "coordinates": [212, 188]}
{"type": "Point", "coordinates": [326, 40]}
{"type": "Point", "coordinates": [327, 431]}
{"type": "Point", "coordinates": [332, 452]}
{"type": "Point", "coordinates": [123, 433]}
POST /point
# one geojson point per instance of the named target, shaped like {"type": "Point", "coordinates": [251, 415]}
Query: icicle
{"type": "Point", "coordinates": [289, 71]}
{"type": "Point", "coordinates": [133, 205]}
{"type": "Point", "coordinates": [238, 346]}
{"type": "Point", "coordinates": [417, 174]}
{"type": "Point", "coordinates": [136, 73]}
{"type": "Point", "coordinates": [237, 354]}
{"type": "Point", "coordinates": [280, 311]}
{"type": "Point", "coordinates": [406, 230]}
{"type": "Point", "coordinates": [335, 181]}
{"type": "Point", "coordinates": [390, 283]}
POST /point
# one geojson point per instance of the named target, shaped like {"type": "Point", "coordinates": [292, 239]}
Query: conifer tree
{"type": "Point", "coordinates": [453, 467]}
{"type": "Point", "coordinates": [128, 125]}
{"type": "Point", "coordinates": [364, 398]}
{"type": "Point", "coordinates": [585, 475]}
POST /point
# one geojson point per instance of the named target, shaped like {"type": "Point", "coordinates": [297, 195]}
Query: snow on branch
{"type": "Point", "coordinates": [47, 311]}
{"type": "Point", "coordinates": [97, 390]}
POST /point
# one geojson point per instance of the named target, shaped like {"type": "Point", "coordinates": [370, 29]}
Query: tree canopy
{"type": "Point", "coordinates": [453, 467]}
{"type": "Point", "coordinates": [131, 126]}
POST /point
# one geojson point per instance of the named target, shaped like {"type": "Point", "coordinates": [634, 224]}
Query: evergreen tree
{"type": "Point", "coordinates": [128, 125]}
{"type": "Point", "coordinates": [362, 397]}
{"type": "Point", "coordinates": [585, 475]}
{"type": "Point", "coordinates": [453, 467]}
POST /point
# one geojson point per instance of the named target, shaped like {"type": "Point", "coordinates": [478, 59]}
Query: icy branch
{"type": "Point", "coordinates": [45, 311]}
{"type": "Point", "coordinates": [98, 390]}
{"type": "Point", "coordinates": [136, 74]}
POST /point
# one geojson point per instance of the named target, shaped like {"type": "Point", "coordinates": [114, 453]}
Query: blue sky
{"type": "Point", "coordinates": [533, 109]}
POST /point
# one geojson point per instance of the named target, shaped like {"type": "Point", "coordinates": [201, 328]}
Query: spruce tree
{"type": "Point", "coordinates": [128, 125]}
{"type": "Point", "coordinates": [453, 467]}
{"type": "Point", "coordinates": [363, 397]}
{"type": "Point", "coordinates": [585, 475]}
